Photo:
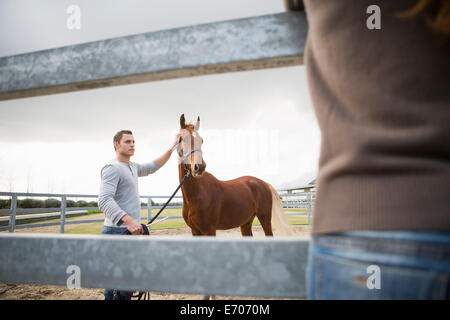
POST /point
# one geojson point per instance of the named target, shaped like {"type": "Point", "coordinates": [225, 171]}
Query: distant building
{"type": "Point", "coordinates": [310, 187]}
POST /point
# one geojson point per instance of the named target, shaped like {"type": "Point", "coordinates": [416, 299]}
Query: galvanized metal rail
{"type": "Point", "coordinates": [270, 41]}
{"type": "Point", "coordinates": [257, 267]}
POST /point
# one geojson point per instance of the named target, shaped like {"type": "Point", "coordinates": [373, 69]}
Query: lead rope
{"type": "Point", "coordinates": [165, 205]}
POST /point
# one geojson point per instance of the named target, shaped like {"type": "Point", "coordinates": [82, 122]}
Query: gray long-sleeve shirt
{"type": "Point", "coordinates": [119, 194]}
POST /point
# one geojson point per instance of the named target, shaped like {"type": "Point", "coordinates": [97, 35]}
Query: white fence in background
{"type": "Point", "coordinates": [289, 200]}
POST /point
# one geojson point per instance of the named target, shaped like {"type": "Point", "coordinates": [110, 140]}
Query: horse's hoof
{"type": "Point", "coordinates": [205, 297]}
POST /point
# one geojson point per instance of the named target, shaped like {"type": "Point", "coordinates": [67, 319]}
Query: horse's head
{"type": "Point", "coordinates": [190, 147]}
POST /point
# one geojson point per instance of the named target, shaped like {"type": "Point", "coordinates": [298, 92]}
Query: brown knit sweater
{"type": "Point", "coordinates": [382, 100]}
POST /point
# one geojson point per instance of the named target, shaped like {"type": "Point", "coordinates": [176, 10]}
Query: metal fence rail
{"type": "Point", "coordinates": [270, 41]}
{"type": "Point", "coordinates": [258, 267]}
{"type": "Point", "coordinates": [202, 265]}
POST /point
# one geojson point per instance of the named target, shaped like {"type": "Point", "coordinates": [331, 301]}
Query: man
{"type": "Point", "coordinates": [119, 195]}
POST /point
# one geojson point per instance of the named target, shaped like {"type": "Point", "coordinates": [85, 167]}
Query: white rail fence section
{"type": "Point", "coordinates": [61, 212]}
{"type": "Point", "coordinates": [299, 200]}
{"type": "Point", "coordinates": [290, 200]}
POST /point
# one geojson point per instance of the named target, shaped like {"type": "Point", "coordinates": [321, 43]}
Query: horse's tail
{"type": "Point", "coordinates": [279, 221]}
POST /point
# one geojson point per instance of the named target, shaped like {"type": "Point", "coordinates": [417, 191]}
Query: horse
{"type": "Point", "coordinates": [210, 204]}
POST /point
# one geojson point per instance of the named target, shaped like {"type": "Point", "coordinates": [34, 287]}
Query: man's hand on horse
{"type": "Point", "coordinates": [176, 142]}
{"type": "Point", "coordinates": [132, 225]}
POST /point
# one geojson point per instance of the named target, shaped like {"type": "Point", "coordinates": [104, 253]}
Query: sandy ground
{"type": "Point", "coordinates": [45, 292]}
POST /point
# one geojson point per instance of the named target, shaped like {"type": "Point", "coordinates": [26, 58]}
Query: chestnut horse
{"type": "Point", "coordinates": [210, 204]}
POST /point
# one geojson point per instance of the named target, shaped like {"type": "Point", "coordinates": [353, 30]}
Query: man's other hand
{"type": "Point", "coordinates": [132, 226]}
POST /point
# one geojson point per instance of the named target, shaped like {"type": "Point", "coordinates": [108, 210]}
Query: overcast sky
{"type": "Point", "coordinates": [257, 123]}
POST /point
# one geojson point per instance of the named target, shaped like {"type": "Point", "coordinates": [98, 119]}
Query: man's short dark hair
{"type": "Point", "coordinates": [119, 135]}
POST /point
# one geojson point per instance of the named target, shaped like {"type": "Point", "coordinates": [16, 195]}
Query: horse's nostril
{"type": "Point", "coordinates": [196, 167]}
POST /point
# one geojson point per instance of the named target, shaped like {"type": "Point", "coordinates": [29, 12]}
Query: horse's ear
{"type": "Point", "coordinates": [197, 124]}
{"type": "Point", "coordinates": [182, 121]}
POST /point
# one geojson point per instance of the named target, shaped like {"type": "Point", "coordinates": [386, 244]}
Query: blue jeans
{"type": "Point", "coordinates": [379, 265]}
{"type": "Point", "coordinates": [109, 293]}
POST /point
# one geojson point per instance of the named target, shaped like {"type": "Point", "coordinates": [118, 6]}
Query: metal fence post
{"type": "Point", "coordinates": [149, 210]}
{"type": "Point", "coordinates": [309, 207]}
{"type": "Point", "coordinates": [12, 214]}
{"type": "Point", "coordinates": [63, 213]}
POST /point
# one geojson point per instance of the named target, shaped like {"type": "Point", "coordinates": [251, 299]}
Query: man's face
{"type": "Point", "coordinates": [126, 145]}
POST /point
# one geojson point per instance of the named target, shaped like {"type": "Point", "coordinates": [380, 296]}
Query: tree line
{"type": "Point", "coordinates": [28, 203]}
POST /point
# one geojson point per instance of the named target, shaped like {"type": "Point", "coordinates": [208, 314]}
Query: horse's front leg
{"type": "Point", "coordinates": [202, 221]}
{"type": "Point", "coordinates": [210, 233]}
{"type": "Point", "coordinates": [195, 232]}
{"type": "Point", "coordinates": [204, 232]}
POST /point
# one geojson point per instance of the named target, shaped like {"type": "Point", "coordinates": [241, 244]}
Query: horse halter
{"type": "Point", "coordinates": [184, 156]}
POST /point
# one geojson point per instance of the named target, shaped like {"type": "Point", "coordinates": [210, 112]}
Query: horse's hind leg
{"type": "Point", "coordinates": [267, 227]}
{"type": "Point", "coordinates": [265, 220]}
{"type": "Point", "coordinates": [246, 229]}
